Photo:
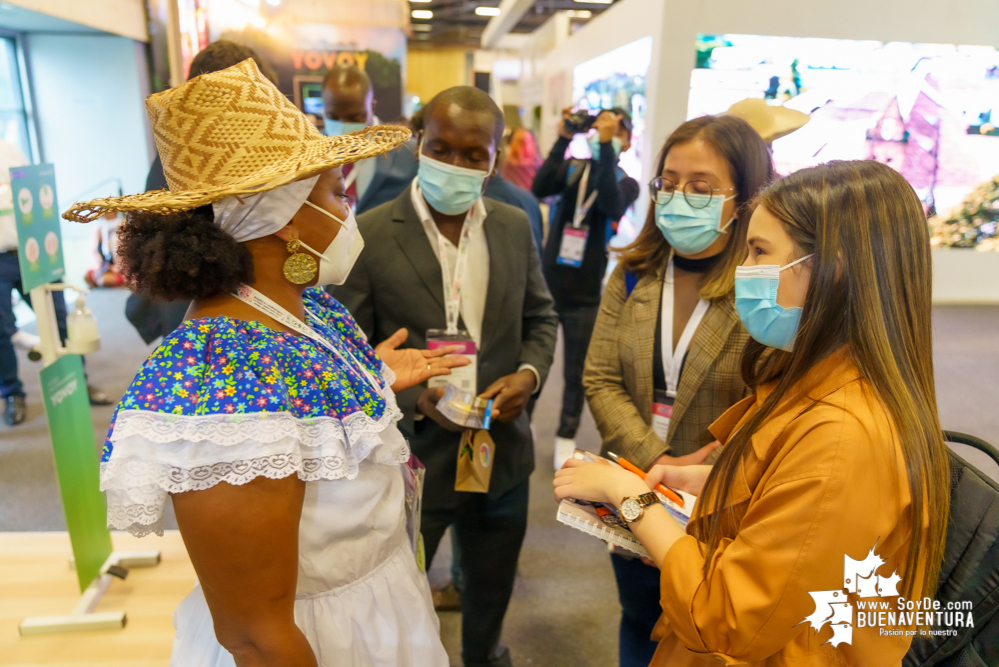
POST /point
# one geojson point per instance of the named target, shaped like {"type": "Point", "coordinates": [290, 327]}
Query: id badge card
{"type": "Point", "coordinates": [662, 412]}
{"type": "Point", "coordinates": [465, 377]}
{"type": "Point", "coordinates": [570, 252]}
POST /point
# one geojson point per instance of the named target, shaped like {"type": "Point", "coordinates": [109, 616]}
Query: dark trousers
{"type": "Point", "coordinates": [638, 591]}
{"type": "Point", "coordinates": [489, 533]}
{"type": "Point", "coordinates": [577, 328]}
{"type": "Point", "coordinates": [10, 279]}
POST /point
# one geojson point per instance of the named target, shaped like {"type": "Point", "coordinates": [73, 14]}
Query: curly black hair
{"type": "Point", "coordinates": [181, 255]}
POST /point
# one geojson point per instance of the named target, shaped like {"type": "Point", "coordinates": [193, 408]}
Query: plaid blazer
{"type": "Point", "coordinates": [618, 375]}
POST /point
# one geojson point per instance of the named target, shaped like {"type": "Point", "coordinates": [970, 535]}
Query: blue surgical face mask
{"type": "Point", "coordinates": [448, 189]}
{"type": "Point", "coordinates": [690, 230]}
{"type": "Point", "coordinates": [334, 128]}
{"type": "Point", "coordinates": [756, 303]}
{"type": "Point", "coordinates": [594, 143]}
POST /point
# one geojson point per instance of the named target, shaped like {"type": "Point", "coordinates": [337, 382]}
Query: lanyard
{"type": "Point", "coordinates": [265, 305]}
{"type": "Point", "coordinates": [582, 208]}
{"type": "Point", "coordinates": [452, 293]}
{"type": "Point", "coordinates": [673, 360]}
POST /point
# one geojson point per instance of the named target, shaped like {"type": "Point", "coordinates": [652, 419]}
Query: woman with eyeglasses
{"type": "Point", "coordinates": [832, 487]}
{"type": "Point", "coordinates": [664, 358]}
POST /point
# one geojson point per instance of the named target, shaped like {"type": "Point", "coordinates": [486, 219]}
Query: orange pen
{"type": "Point", "coordinates": [631, 467]}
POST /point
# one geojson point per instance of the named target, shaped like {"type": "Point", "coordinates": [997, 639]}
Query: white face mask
{"type": "Point", "coordinates": [338, 259]}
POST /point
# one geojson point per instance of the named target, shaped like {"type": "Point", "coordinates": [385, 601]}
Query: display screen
{"type": "Point", "coordinates": [928, 110]}
{"type": "Point", "coordinates": [312, 98]}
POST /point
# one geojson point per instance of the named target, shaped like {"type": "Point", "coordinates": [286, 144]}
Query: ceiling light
{"type": "Point", "coordinates": [579, 13]}
{"type": "Point", "coordinates": [589, 2]}
{"type": "Point", "coordinates": [487, 11]}
{"type": "Point", "coordinates": [422, 27]}
{"type": "Point", "coordinates": [422, 14]}
{"type": "Point", "coordinates": [421, 0]}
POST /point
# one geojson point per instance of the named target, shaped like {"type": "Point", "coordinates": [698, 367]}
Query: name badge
{"type": "Point", "coordinates": [573, 246]}
{"type": "Point", "coordinates": [464, 378]}
{"type": "Point", "coordinates": [662, 412]}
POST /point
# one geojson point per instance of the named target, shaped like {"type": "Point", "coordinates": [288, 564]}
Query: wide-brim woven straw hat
{"type": "Point", "coordinates": [231, 133]}
{"type": "Point", "coordinates": [770, 122]}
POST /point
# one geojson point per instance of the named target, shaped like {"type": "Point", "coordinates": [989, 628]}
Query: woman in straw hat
{"type": "Point", "coordinates": [266, 416]}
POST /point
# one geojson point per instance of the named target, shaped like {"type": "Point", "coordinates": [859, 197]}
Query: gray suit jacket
{"type": "Point", "coordinates": [397, 283]}
{"type": "Point", "coordinates": [394, 171]}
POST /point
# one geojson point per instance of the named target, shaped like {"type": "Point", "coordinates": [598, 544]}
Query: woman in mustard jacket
{"type": "Point", "coordinates": [809, 508]}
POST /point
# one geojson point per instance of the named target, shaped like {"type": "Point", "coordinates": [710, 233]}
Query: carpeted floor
{"type": "Point", "coordinates": [564, 610]}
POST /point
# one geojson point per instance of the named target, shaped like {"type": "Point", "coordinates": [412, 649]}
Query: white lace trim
{"type": "Point", "coordinates": [156, 454]}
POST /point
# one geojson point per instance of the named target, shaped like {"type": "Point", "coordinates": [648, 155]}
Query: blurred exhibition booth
{"type": "Point", "coordinates": [907, 82]}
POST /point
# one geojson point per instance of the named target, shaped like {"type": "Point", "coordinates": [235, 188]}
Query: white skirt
{"type": "Point", "coordinates": [361, 599]}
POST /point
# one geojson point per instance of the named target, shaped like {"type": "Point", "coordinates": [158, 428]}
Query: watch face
{"type": "Point", "coordinates": [631, 509]}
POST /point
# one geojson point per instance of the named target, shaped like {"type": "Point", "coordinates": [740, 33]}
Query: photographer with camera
{"type": "Point", "coordinates": [594, 194]}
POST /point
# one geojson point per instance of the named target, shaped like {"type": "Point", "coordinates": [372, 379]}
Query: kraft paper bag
{"type": "Point", "coordinates": [475, 461]}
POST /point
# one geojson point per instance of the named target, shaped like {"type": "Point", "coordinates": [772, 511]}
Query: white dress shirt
{"type": "Point", "coordinates": [474, 284]}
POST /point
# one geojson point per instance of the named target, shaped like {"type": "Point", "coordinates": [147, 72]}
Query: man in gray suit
{"type": "Point", "coordinates": [349, 106]}
{"type": "Point", "coordinates": [406, 277]}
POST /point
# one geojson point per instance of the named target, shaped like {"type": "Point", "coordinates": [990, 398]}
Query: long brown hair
{"type": "Point", "coordinates": [751, 170]}
{"type": "Point", "coordinates": [870, 291]}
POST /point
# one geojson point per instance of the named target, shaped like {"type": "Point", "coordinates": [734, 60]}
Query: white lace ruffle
{"type": "Point", "coordinates": [155, 454]}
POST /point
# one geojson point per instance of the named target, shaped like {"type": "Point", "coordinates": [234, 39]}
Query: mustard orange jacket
{"type": "Point", "coordinates": [824, 478]}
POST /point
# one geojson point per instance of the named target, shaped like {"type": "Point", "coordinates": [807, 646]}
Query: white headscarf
{"type": "Point", "coordinates": [261, 215]}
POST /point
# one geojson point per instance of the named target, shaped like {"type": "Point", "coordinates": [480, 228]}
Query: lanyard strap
{"type": "Point", "coordinates": [582, 208]}
{"type": "Point", "coordinates": [673, 360]}
{"type": "Point", "coordinates": [452, 292]}
{"type": "Point", "coordinates": [265, 305]}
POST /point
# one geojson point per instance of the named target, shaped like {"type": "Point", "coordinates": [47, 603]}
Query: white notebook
{"type": "Point", "coordinates": [587, 517]}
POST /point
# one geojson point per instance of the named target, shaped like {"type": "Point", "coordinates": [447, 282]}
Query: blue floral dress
{"type": "Point", "coordinates": [223, 400]}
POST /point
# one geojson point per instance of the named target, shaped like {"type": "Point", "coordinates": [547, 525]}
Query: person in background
{"type": "Point", "coordinates": [522, 159]}
{"type": "Point", "coordinates": [594, 194]}
{"type": "Point", "coordinates": [349, 105]}
{"type": "Point", "coordinates": [104, 272]}
{"type": "Point", "coordinates": [664, 359]}
{"type": "Point", "coordinates": [12, 394]}
{"type": "Point", "coordinates": [440, 224]}
{"type": "Point", "coordinates": [838, 451]}
{"type": "Point", "coordinates": [153, 318]}
{"type": "Point", "coordinates": [510, 193]}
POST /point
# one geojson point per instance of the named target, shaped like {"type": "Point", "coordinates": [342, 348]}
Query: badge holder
{"type": "Point", "coordinates": [464, 377]}
{"type": "Point", "coordinates": [662, 412]}
{"type": "Point", "coordinates": [570, 252]}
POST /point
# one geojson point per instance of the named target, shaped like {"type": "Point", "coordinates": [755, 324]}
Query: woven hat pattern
{"type": "Point", "coordinates": [230, 133]}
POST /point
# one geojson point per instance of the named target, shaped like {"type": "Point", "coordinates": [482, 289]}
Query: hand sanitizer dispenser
{"type": "Point", "coordinates": [83, 336]}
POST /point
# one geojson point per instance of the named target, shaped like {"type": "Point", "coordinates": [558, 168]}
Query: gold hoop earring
{"type": "Point", "coordinates": [299, 268]}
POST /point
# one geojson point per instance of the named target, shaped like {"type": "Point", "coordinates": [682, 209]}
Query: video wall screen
{"type": "Point", "coordinates": [931, 111]}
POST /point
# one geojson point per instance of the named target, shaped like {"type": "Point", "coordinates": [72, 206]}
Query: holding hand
{"type": "Point", "coordinates": [695, 458]}
{"type": "Point", "coordinates": [686, 478]}
{"type": "Point", "coordinates": [597, 482]}
{"type": "Point", "coordinates": [426, 405]}
{"type": "Point", "coordinates": [510, 394]}
{"type": "Point", "coordinates": [412, 366]}
{"type": "Point", "coordinates": [607, 125]}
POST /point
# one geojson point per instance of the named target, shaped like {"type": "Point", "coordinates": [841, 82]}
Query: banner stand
{"type": "Point", "coordinates": [67, 409]}
{"type": "Point", "coordinates": [83, 616]}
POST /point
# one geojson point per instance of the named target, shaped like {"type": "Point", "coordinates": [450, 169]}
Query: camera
{"type": "Point", "coordinates": [579, 122]}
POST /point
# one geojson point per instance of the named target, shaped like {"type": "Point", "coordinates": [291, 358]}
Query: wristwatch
{"type": "Point", "coordinates": [633, 508]}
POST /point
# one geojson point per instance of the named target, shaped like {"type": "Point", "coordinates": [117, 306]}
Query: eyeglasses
{"type": "Point", "coordinates": [697, 193]}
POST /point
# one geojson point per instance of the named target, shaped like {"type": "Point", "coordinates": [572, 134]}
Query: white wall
{"type": "Point", "coordinates": [120, 17]}
{"type": "Point", "coordinates": [88, 93]}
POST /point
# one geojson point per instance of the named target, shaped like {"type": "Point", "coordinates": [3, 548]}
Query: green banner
{"type": "Point", "coordinates": [68, 409]}
{"type": "Point", "coordinates": [39, 238]}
